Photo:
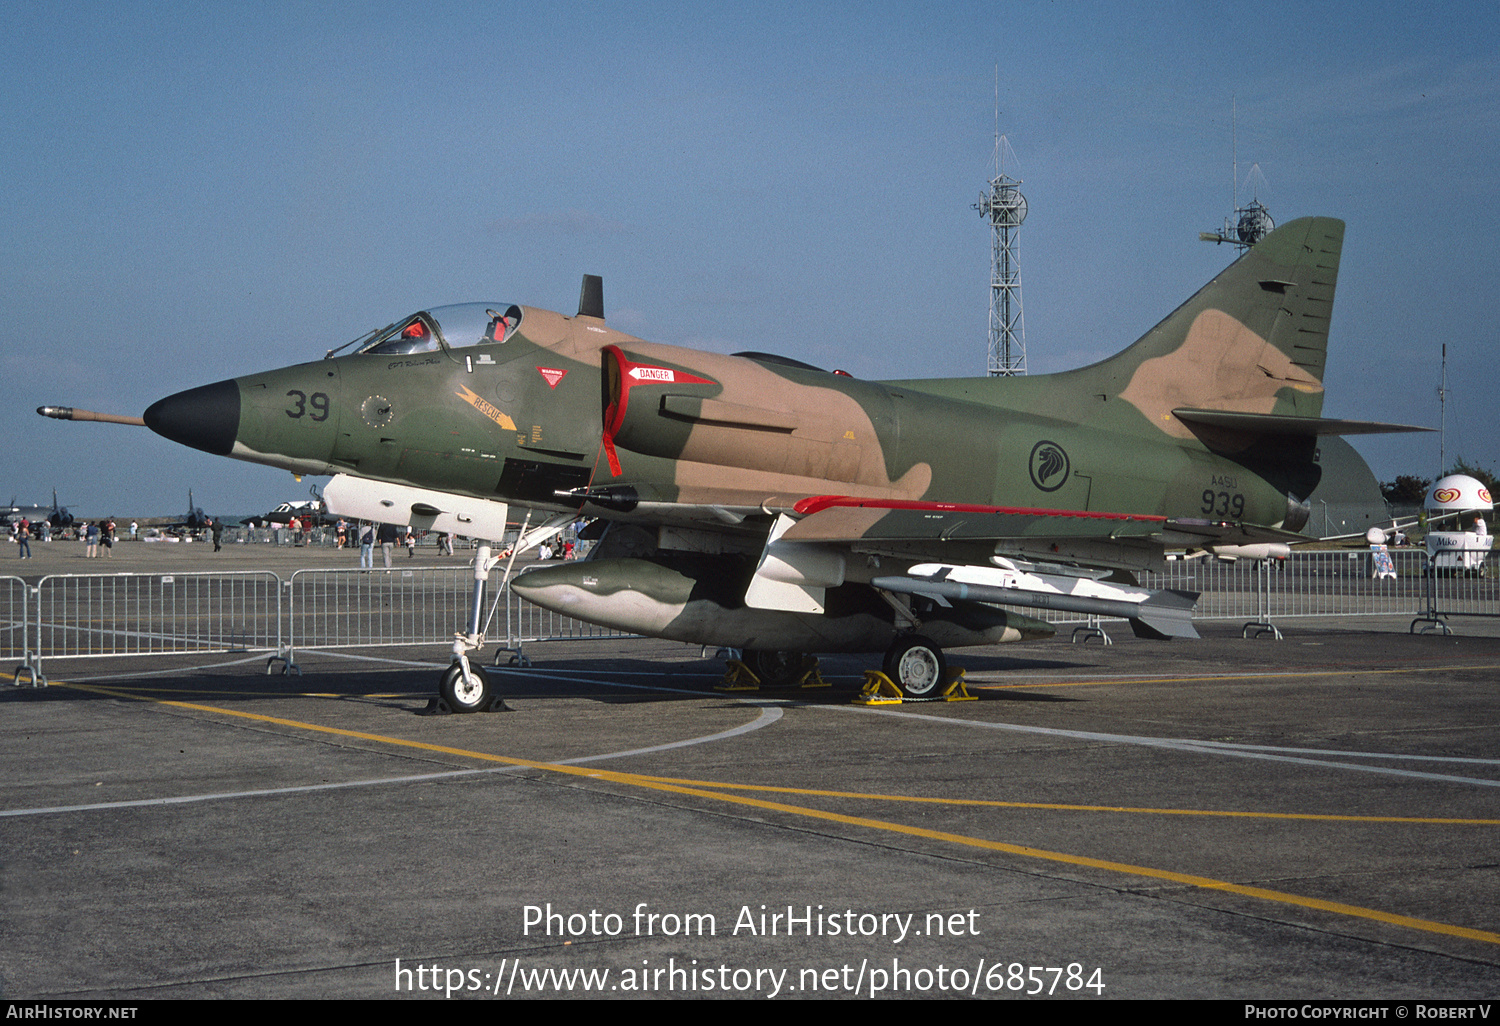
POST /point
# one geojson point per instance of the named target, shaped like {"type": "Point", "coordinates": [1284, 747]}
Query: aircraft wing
{"type": "Point", "coordinates": [1396, 524]}
{"type": "Point", "coordinates": [839, 519]}
{"type": "Point", "coordinates": [968, 545]}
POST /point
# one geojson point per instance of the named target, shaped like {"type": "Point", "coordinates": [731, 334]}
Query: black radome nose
{"type": "Point", "coordinates": [206, 418]}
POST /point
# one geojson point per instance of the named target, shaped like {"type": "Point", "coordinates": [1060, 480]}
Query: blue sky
{"type": "Point", "coordinates": [198, 191]}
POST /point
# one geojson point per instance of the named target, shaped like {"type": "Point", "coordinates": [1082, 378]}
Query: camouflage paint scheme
{"type": "Point", "coordinates": [1204, 431]}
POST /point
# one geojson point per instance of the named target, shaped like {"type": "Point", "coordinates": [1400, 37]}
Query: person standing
{"type": "Point", "coordinates": [387, 536]}
{"type": "Point", "coordinates": [366, 546]}
{"type": "Point", "coordinates": [91, 534]}
{"type": "Point", "coordinates": [23, 538]}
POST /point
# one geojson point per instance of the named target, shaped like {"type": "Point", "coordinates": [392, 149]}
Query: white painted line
{"type": "Point", "coordinates": [768, 716]}
{"type": "Point", "coordinates": [1201, 747]}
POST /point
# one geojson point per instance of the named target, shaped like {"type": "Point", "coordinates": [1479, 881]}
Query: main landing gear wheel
{"type": "Point", "coordinates": [916, 666]}
{"type": "Point", "coordinates": [464, 697]}
{"type": "Point", "coordinates": [775, 669]}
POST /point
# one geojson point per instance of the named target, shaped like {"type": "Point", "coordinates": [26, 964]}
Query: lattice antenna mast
{"type": "Point", "coordinates": [1005, 207]}
{"type": "Point", "coordinates": [1252, 222]}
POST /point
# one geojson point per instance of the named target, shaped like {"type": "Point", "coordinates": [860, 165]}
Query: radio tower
{"type": "Point", "coordinates": [1005, 207]}
{"type": "Point", "coordinates": [1252, 222]}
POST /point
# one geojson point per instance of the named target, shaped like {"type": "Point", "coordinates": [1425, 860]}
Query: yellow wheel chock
{"type": "Point", "coordinates": [881, 690]}
{"type": "Point", "coordinates": [740, 677]}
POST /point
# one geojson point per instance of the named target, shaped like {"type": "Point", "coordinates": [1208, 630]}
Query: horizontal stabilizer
{"type": "Point", "coordinates": [1281, 424]}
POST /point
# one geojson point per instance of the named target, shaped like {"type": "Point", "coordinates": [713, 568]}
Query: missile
{"type": "Point", "coordinates": [71, 413]}
{"type": "Point", "coordinates": [1152, 614]}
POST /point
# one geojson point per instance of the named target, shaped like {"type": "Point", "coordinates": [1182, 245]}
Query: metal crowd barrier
{"type": "Point", "coordinates": [1462, 582]}
{"type": "Point", "coordinates": [348, 608]}
{"type": "Point", "coordinates": [1329, 583]}
{"type": "Point", "coordinates": [16, 643]}
{"type": "Point", "coordinates": [100, 615]}
{"type": "Point", "coordinates": [90, 615]}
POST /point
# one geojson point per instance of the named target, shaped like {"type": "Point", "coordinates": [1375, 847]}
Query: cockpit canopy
{"type": "Point", "coordinates": [451, 327]}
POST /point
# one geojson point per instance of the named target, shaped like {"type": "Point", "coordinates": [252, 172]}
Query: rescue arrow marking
{"type": "Point", "coordinates": [486, 408]}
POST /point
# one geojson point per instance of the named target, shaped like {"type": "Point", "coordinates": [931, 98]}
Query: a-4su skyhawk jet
{"type": "Point", "coordinates": [758, 503]}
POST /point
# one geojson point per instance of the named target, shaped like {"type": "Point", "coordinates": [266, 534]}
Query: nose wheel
{"type": "Point", "coordinates": [473, 693]}
{"type": "Point", "coordinates": [916, 666]}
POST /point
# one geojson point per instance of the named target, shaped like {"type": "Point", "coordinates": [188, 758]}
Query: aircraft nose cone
{"type": "Point", "coordinates": [206, 418]}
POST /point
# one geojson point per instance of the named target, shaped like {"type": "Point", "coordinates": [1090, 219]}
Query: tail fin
{"type": "Point", "coordinates": [1253, 340]}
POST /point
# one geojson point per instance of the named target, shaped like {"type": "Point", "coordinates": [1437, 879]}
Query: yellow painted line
{"type": "Point", "coordinates": [135, 692]}
{"type": "Point", "coordinates": [637, 780]}
{"type": "Point", "coordinates": [1206, 883]}
{"type": "Point", "coordinates": [1054, 807]}
{"type": "Point", "coordinates": [1095, 682]}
